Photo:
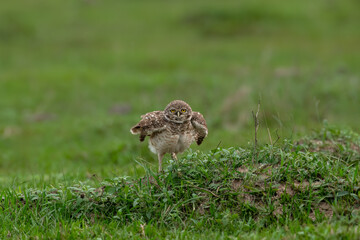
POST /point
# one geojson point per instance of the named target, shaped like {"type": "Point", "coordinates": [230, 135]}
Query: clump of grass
{"type": "Point", "coordinates": [222, 189]}
{"type": "Point", "coordinates": [338, 143]}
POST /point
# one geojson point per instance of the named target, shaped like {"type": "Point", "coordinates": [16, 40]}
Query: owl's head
{"type": "Point", "coordinates": [178, 111]}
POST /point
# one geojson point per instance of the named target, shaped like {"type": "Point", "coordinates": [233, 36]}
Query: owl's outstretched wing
{"type": "Point", "coordinates": [199, 124]}
{"type": "Point", "coordinates": [150, 123]}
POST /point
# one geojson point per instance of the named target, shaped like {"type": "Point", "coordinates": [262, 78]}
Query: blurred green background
{"type": "Point", "coordinates": [76, 75]}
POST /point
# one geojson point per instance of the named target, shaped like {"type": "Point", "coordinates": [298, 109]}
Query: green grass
{"type": "Point", "coordinates": [63, 72]}
{"type": "Point", "coordinates": [76, 75]}
{"type": "Point", "coordinates": [312, 182]}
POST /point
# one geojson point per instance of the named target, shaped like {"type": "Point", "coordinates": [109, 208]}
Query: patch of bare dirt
{"type": "Point", "coordinates": [284, 189]}
{"type": "Point", "coordinates": [316, 145]}
{"type": "Point", "coordinates": [312, 216]}
{"type": "Point", "coordinates": [244, 193]}
{"type": "Point", "coordinates": [278, 211]}
{"type": "Point", "coordinates": [236, 184]}
{"type": "Point", "coordinates": [263, 177]}
{"type": "Point", "coordinates": [242, 169]}
{"type": "Point", "coordinates": [326, 209]}
{"type": "Point", "coordinates": [264, 172]}
{"type": "Point", "coordinates": [248, 197]}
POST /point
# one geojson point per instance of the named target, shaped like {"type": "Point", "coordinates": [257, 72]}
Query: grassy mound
{"type": "Point", "coordinates": [309, 181]}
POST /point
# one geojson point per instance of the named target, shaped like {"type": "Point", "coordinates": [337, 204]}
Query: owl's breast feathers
{"type": "Point", "coordinates": [199, 124]}
{"type": "Point", "coordinates": [153, 123]}
{"type": "Point", "coordinates": [150, 123]}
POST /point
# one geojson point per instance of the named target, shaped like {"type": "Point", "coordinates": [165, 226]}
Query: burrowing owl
{"type": "Point", "coordinates": [172, 130]}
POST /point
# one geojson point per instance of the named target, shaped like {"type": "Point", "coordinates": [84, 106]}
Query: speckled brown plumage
{"type": "Point", "coordinates": [172, 130]}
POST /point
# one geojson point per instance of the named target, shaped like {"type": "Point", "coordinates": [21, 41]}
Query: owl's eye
{"type": "Point", "coordinates": [183, 110]}
{"type": "Point", "coordinates": [172, 110]}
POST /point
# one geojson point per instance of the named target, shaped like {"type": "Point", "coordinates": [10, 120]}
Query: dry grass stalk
{"type": "Point", "coordinates": [256, 125]}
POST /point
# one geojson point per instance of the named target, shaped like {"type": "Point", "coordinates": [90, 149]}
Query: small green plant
{"type": "Point", "coordinates": [306, 182]}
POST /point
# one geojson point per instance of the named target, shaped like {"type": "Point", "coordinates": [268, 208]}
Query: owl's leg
{"type": "Point", "coordinates": [173, 156]}
{"type": "Point", "coordinates": [160, 156]}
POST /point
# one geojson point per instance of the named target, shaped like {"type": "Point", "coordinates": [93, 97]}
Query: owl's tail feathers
{"type": "Point", "coordinates": [138, 130]}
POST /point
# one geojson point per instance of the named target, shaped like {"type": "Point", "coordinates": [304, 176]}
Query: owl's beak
{"type": "Point", "coordinates": [178, 114]}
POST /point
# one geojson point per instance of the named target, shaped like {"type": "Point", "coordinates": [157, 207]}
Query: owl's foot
{"type": "Point", "coordinates": [173, 156]}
